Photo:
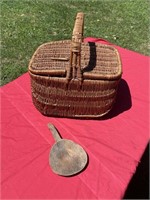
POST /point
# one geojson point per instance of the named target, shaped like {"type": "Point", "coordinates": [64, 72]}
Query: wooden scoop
{"type": "Point", "coordinates": [66, 158]}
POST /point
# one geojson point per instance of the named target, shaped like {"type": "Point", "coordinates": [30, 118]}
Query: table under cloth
{"type": "Point", "coordinates": [114, 144]}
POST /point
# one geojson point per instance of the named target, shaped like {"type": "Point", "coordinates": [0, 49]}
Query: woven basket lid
{"type": "Point", "coordinates": [98, 61]}
{"type": "Point", "coordinates": [76, 59]}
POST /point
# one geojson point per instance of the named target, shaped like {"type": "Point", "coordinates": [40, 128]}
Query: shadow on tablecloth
{"type": "Point", "coordinates": [123, 101]}
{"type": "Point", "coordinates": [138, 187]}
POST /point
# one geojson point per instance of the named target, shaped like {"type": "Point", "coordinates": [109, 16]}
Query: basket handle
{"type": "Point", "coordinates": [74, 70]}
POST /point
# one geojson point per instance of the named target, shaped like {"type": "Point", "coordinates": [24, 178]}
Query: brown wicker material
{"type": "Point", "coordinates": [71, 78]}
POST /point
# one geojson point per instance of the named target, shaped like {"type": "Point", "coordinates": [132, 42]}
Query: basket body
{"type": "Point", "coordinates": [89, 97]}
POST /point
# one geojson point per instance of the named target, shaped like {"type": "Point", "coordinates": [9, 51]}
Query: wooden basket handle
{"type": "Point", "coordinates": [74, 70]}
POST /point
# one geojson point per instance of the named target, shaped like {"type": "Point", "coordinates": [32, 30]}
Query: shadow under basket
{"type": "Point", "coordinates": [74, 79]}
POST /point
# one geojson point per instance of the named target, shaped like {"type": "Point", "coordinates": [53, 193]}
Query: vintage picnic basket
{"type": "Point", "coordinates": [75, 79]}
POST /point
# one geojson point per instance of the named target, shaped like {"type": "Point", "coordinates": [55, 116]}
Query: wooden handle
{"type": "Point", "coordinates": [74, 70]}
{"type": "Point", "coordinates": [77, 35]}
{"type": "Point", "coordinates": [54, 132]}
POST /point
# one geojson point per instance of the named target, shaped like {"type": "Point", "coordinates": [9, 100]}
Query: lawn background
{"type": "Point", "coordinates": [26, 24]}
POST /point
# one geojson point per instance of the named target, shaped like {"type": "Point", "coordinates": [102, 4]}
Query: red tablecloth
{"type": "Point", "coordinates": [114, 144]}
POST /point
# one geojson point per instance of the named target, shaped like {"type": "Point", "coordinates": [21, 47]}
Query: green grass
{"type": "Point", "coordinates": [28, 23]}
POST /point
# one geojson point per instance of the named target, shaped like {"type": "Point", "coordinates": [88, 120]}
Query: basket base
{"type": "Point", "coordinates": [51, 112]}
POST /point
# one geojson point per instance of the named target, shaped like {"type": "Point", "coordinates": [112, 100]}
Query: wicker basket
{"type": "Point", "coordinates": [71, 78]}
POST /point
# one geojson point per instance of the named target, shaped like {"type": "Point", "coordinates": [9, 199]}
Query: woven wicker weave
{"type": "Point", "coordinates": [71, 78]}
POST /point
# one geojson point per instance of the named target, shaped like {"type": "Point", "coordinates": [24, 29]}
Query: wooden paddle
{"type": "Point", "coordinates": [66, 158]}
